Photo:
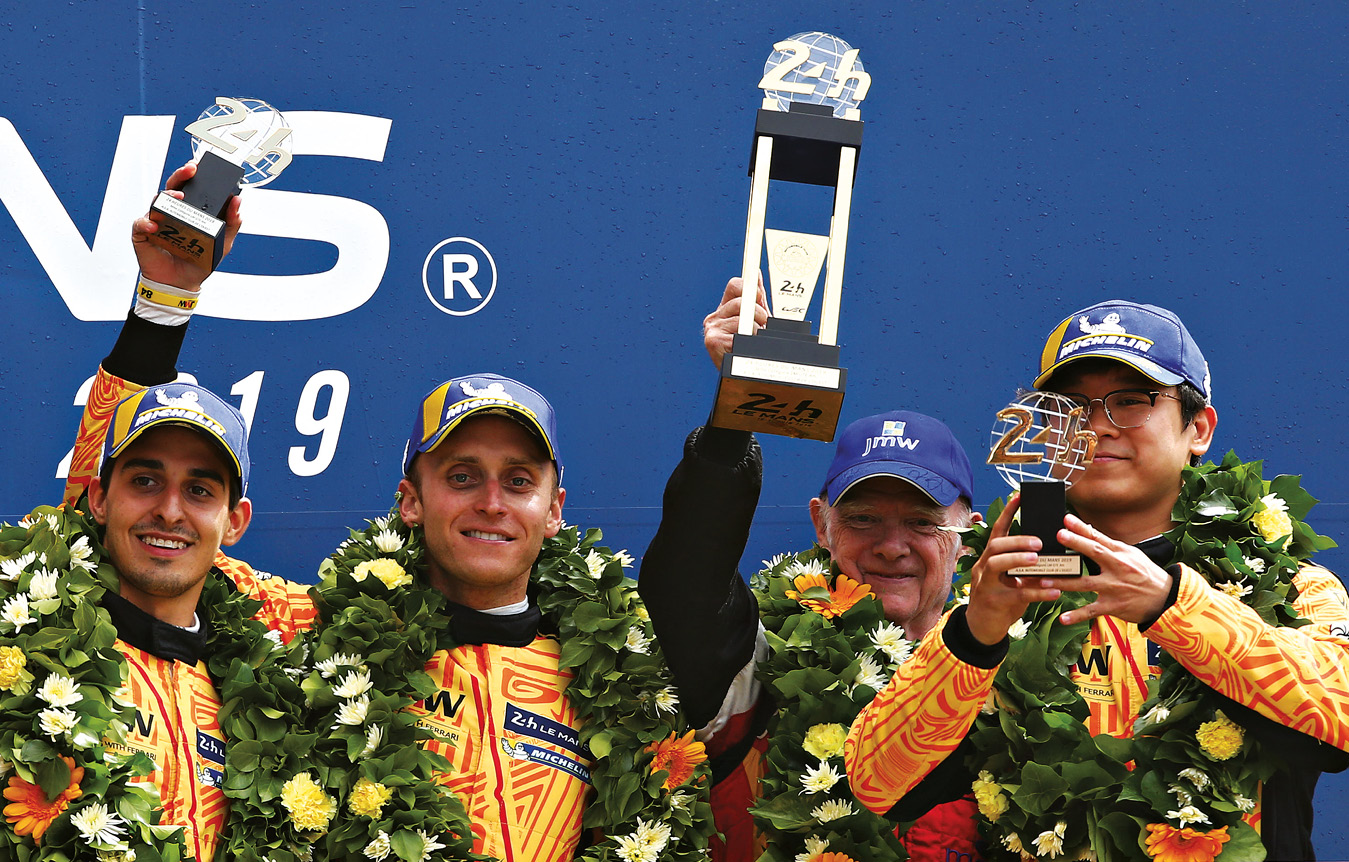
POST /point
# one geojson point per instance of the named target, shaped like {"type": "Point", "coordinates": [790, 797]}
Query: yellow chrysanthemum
{"type": "Point", "coordinates": [1273, 524]}
{"type": "Point", "coordinates": [388, 571]}
{"type": "Point", "coordinates": [678, 756]}
{"type": "Point", "coordinates": [12, 664]}
{"type": "Point", "coordinates": [1166, 843]}
{"type": "Point", "coordinates": [1221, 738]}
{"type": "Point", "coordinates": [309, 807]}
{"type": "Point", "coordinates": [842, 595]}
{"type": "Point", "coordinates": [993, 803]}
{"type": "Point", "coordinates": [825, 740]}
{"type": "Point", "coordinates": [368, 798]}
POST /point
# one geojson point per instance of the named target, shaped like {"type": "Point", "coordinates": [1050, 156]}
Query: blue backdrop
{"type": "Point", "coordinates": [1021, 161]}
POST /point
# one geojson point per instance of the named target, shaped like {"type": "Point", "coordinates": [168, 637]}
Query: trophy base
{"type": "Point", "coordinates": [781, 381]}
{"type": "Point", "coordinates": [191, 228]}
{"type": "Point", "coordinates": [1051, 566]}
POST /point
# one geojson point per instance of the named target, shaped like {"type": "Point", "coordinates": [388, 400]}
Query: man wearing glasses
{"type": "Point", "coordinates": [1145, 388]}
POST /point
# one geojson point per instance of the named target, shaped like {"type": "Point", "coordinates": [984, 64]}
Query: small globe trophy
{"type": "Point", "coordinates": [784, 379]}
{"type": "Point", "coordinates": [235, 142]}
{"type": "Point", "coordinates": [1041, 445]}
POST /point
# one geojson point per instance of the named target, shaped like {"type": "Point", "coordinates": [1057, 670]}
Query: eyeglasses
{"type": "Point", "coordinates": [1125, 408]}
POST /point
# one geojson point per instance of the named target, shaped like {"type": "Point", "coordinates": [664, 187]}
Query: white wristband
{"type": "Point", "coordinates": [163, 303]}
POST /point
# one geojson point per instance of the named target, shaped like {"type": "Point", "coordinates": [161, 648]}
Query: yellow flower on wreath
{"type": "Point", "coordinates": [1272, 522]}
{"type": "Point", "coordinates": [678, 756]}
{"type": "Point", "coordinates": [825, 740]}
{"type": "Point", "coordinates": [1221, 738]}
{"type": "Point", "coordinates": [12, 664]}
{"type": "Point", "coordinates": [309, 807]}
{"type": "Point", "coordinates": [388, 571]}
{"type": "Point", "coordinates": [842, 595]}
{"type": "Point", "coordinates": [1166, 843]}
{"type": "Point", "coordinates": [368, 797]}
{"type": "Point", "coordinates": [993, 803]}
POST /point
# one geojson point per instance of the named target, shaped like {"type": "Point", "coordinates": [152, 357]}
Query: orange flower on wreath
{"type": "Point", "coordinates": [832, 857]}
{"type": "Point", "coordinates": [28, 808]}
{"type": "Point", "coordinates": [678, 756]}
{"type": "Point", "coordinates": [1166, 843]}
{"type": "Point", "coordinates": [842, 595]}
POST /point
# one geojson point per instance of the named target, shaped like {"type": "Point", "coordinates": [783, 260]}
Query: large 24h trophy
{"type": "Point", "coordinates": [783, 380]}
{"type": "Point", "coordinates": [236, 142]}
{"type": "Point", "coordinates": [1041, 445]}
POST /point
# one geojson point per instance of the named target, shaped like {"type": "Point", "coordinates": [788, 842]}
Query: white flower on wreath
{"type": "Point", "coordinates": [831, 810]}
{"type": "Point", "coordinates": [429, 845]}
{"type": "Point", "coordinates": [11, 569]}
{"type": "Point", "coordinates": [42, 585]}
{"type": "Point", "coordinates": [1197, 777]}
{"type": "Point", "coordinates": [1183, 796]}
{"type": "Point", "coordinates": [379, 848]}
{"type": "Point", "coordinates": [56, 721]}
{"type": "Point", "coordinates": [812, 567]}
{"type": "Point", "coordinates": [60, 690]}
{"type": "Point", "coordinates": [1187, 815]}
{"type": "Point", "coordinates": [1274, 503]}
{"type": "Point", "coordinates": [1019, 630]}
{"type": "Point", "coordinates": [387, 541]}
{"type": "Point", "coordinates": [1235, 590]}
{"type": "Point", "coordinates": [353, 712]}
{"type": "Point", "coordinates": [1012, 842]}
{"type": "Point", "coordinates": [354, 684]}
{"type": "Point", "coordinates": [773, 563]}
{"type": "Point", "coordinates": [1244, 803]}
{"type": "Point", "coordinates": [819, 778]}
{"type": "Point", "coordinates": [1050, 842]}
{"type": "Point", "coordinates": [1255, 564]}
{"type": "Point", "coordinates": [667, 699]}
{"type": "Point", "coordinates": [870, 674]}
{"type": "Point", "coordinates": [1156, 715]}
{"type": "Point", "coordinates": [595, 563]}
{"type": "Point", "coordinates": [374, 735]}
{"type": "Point", "coordinates": [97, 825]}
{"type": "Point", "coordinates": [274, 636]}
{"type": "Point", "coordinates": [16, 612]}
{"type": "Point", "coordinates": [962, 594]}
{"type": "Point", "coordinates": [330, 666]}
{"type": "Point", "coordinates": [646, 842]}
{"type": "Point", "coordinates": [815, 845]}
{"type": "Point", "coordinates": [637, 641]}
{"type": "Point", "coordinates": [80, 554]}
{"type": "Point", "coordinates": [890, 639]}
{"type": "Point", "coordinates": [624, 558]}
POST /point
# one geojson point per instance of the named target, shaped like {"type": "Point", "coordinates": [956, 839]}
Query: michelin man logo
{"type": "Point", "coordinates": [188, 399]}
{"type": "Point", "coordinates": [1109, 324]}
{"type": "Point", "coordinates": [491, 390]}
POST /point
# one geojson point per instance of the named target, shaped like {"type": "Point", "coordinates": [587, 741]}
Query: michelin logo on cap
{"type": "Point", "coordinates": [1110, 332]}
{"type": "Point", "coordinates": [186, 406]}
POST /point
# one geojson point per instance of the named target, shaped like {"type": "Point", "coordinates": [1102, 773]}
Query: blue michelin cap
{"type": "Point", "coordinates": [456, 399]}
{"type": "Point", "coordinates": [183, 404]}
{"type": "Point", "coordinates": [907, 445]}
{"type": "Point", "coordinates": [1147, 338]}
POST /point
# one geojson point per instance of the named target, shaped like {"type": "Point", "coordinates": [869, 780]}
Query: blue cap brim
{"type": "Point", "coordinates": [942, 492]}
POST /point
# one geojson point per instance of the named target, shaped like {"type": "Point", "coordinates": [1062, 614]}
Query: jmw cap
{"type": "Point", "coordinates": [909, 446]}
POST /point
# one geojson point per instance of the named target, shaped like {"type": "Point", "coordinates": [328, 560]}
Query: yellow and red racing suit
{"type": "Point", "coordinates": [1296, 677]}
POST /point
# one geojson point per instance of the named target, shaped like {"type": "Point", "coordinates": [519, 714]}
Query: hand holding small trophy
{"type": "Point", "coordinates": [784, 380]}
{"type": "Point", "coordinates": [1041, 445]}
{"type": "Point", "coordinates": [236, 142]}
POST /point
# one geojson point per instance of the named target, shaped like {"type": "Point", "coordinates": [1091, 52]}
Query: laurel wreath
{"type": "Point", "coordinates": [1064, 791]}
{"type": "Point", "coordinates": [71, 635]}
{"type": "Point", "coordinates": [390, 632]}
{"type": "Point", "coordinates": [812, 671]}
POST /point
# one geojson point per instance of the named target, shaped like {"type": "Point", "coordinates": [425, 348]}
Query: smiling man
{"type": "Point", "coordinates": [897, 483]}
{"type": "Point", "coordinates": [1145, 387]}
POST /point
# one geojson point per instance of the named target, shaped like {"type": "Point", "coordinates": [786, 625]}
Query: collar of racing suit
{"type": "Point", "coordinates": [472, 628]}
{"type": "Point", "coordinates": [142, 631]}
